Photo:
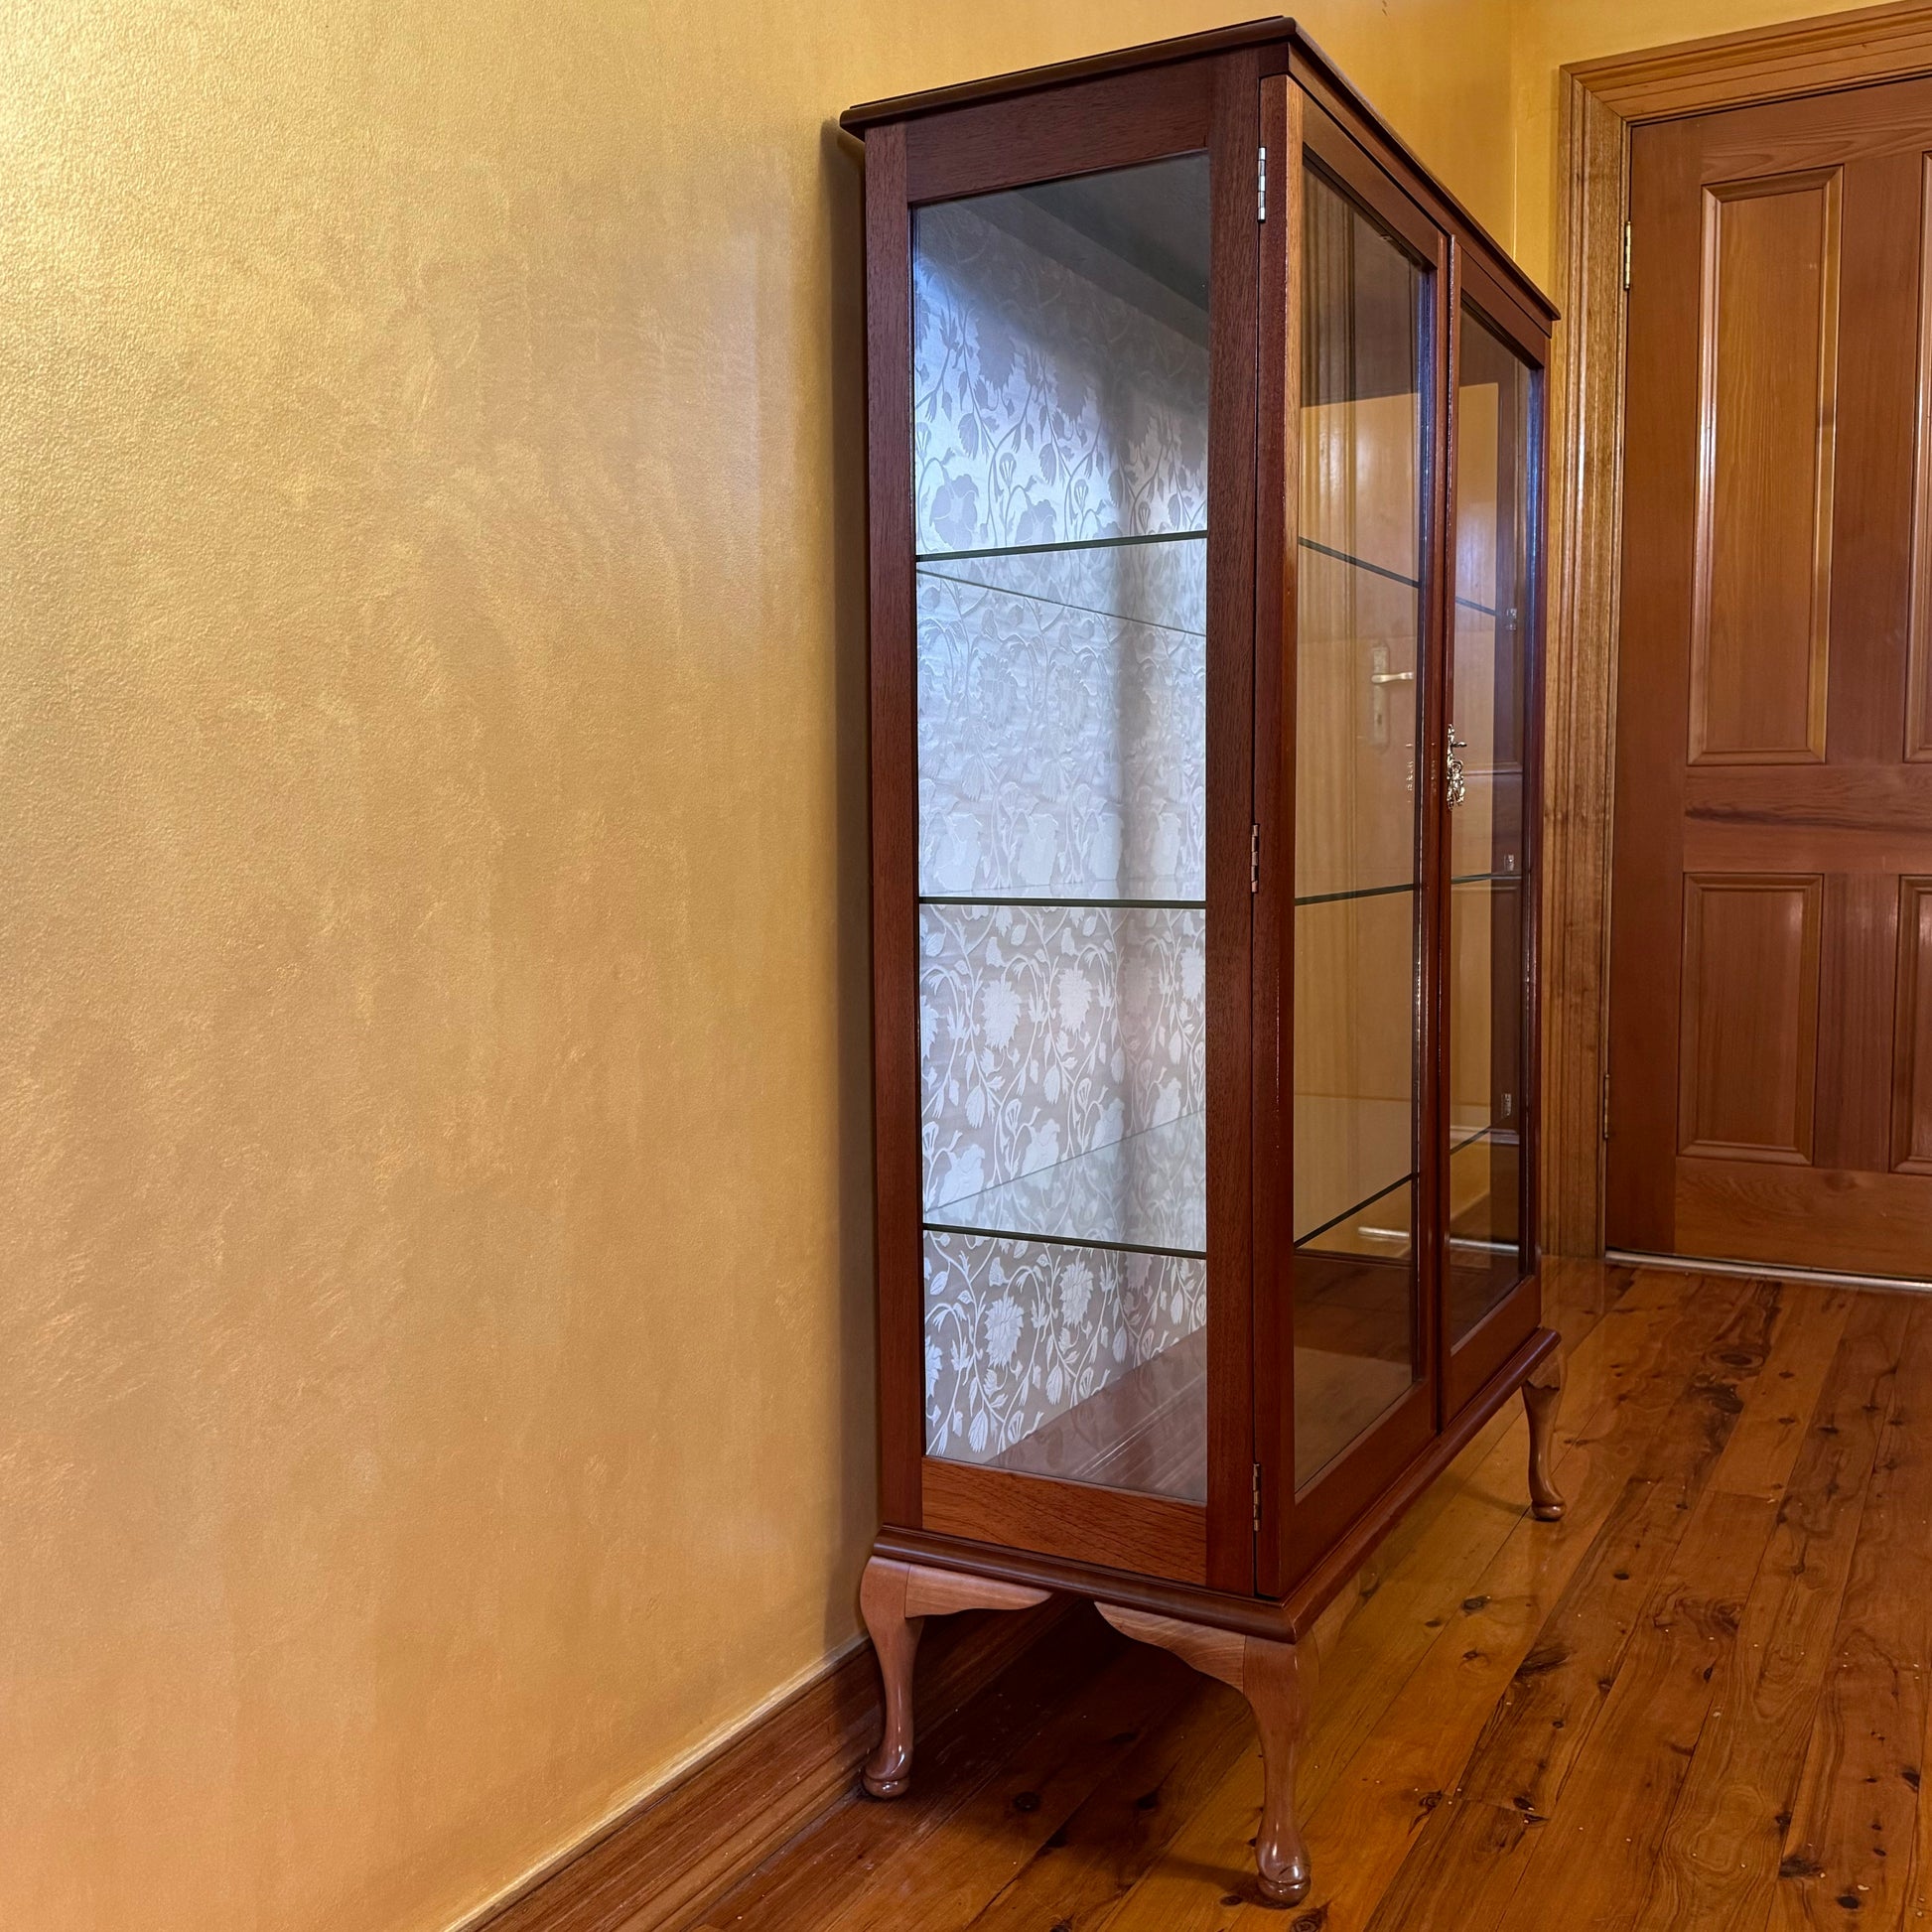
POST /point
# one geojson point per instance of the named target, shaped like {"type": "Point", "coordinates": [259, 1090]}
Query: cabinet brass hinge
{"type": "Point", "coordinates": [1607, 1103]}
{"type": "Point", "coordinates": [1257, 1498]}
{"type": "Point", "coordinates": [1626, 254]}
{"type": "Point", "coordinates": [1254, 858]}
{"type": "Point", "coordinates": [1260, 186]}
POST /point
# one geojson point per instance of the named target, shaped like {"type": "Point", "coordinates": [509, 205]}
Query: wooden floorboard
{"type": "Point", "coordinates": [1698, 1703]}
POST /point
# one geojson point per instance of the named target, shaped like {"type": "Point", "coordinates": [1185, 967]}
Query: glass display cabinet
{"type": "Point", "coordinates": [1205, 440]}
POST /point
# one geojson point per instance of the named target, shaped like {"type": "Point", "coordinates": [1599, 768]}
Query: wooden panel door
{"type": "Point", "coordinates": [1771, 928]}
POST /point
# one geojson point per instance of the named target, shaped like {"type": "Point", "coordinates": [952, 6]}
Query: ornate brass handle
{"type": "Point", "coordinates": [1456, 791]}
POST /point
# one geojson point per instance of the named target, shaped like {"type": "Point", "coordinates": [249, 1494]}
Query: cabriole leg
{"type": "Point", "coordinates": [895, 1599]}
{"type": "Point", "coordinates": [895, 1640]}
{"type": "Point", "coordinates": [1277, 1680]}
{"type": "Point", "coordinates": [1542, 1396]}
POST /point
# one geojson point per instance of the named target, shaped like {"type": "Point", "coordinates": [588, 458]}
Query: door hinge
{"type": "Point", "coordinates": [1607, 1103]}
{"type": "Point", "coordinates": [1626, 254]}
{"type": "Point", "coordinates": [1260, 184]}
{"type": "Point", "coordinates": [1257, 1498]}
{"type": "Point", "coordinates": [1254, 858]}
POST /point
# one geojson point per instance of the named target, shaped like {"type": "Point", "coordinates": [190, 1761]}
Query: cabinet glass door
{"type": "Point", "coordinates": [1059, 423]}
{"type": "Point", "coordinates": [1488, 854]}
{"type": "Point", "coordinates": [1357, 848]}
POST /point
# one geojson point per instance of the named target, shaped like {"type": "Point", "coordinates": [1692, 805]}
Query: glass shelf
{"type": "Point", "coordinates": [1074, 592]}
{"type": "Point", "coordinates": [1146, 1194]}
{"type": "Point", "coordinates": [1354, 1208]}
{"type": "Point", "coordinates": [1393, 576]}
{"type": "Point", "coordinates": [1124, 901]}
{"type": "Point", "coordinates": [1354, 893]}
{"type": "Point", "coordinates": [1358, 563]}
{"type": "Point", "coordinates": [1135, 902]}
{"type": "Point", "coordinates": [1349, 1150]}
{"type": "Point", "coordinates": [1070, 547]}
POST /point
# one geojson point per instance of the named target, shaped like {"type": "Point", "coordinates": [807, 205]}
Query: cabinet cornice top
{"type": "Point", "coordinates": [1285, 46]}
{"type": "Point", "coordinates": [1002, 87]}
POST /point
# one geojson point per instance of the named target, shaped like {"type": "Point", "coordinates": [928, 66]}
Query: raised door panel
{"type": "Point", "coordinates": [1749, 1020]}
{"type": "Point", "coordinates": [1767, 392]}
{"type": "Point", "coordinates": [1912, 1061]}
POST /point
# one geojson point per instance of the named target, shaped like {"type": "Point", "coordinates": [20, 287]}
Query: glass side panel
{"type": "Point", "coordinates": [1059, 423]}
{"type": "Point", "coordinates": [1356, 834]}
{"type": "Point", "coordinates": [1488, 854]}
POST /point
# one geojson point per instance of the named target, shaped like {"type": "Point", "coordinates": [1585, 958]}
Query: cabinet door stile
{"type": "Point", "coordinates": [895, 862]}
{"type": "Point", "coordinates": [1234, 146]}
{"type": "Point", "coordinates": [1277, 466]}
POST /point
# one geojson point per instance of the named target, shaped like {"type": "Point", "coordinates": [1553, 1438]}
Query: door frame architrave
{"type": "Point", "coordinates": [1599, 102]}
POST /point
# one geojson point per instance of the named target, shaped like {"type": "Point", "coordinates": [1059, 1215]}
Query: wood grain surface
{"type": "Point", "coordinates": [1697, 1701]}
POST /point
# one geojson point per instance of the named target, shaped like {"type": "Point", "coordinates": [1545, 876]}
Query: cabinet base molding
{"type": "Point", "coordinates": [1287, 1620]}
{"type": "Point", "coordinates": [1264, 1649]}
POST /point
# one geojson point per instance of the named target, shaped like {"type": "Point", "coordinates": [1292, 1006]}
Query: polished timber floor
{"type": "Point", "coordinates": [1698, 1702]}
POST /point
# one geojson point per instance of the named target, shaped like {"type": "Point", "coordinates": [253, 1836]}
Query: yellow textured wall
{"type": "Point", "coordinates": [435, 1307]}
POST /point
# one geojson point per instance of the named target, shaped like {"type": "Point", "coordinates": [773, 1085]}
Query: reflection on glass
{"type": "Point", "coordinates": [1354, 1325]}
{"type": "Point", "coordinates": [1060, 424]}
{"type": "Point", "coordinates": [1487, 855]}
{"type": "Point", "coordinates": [1354, 1052]}
{"type": "Point", "coordinates": [1358, 640]}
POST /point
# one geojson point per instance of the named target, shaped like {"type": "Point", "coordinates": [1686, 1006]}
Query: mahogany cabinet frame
{"type": "Point", "coordinates": [1228, 93]}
